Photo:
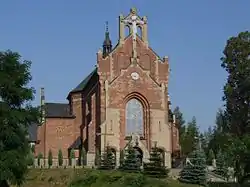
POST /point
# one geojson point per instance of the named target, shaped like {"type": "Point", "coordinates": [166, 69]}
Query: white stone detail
{"type": "Point", "coordinates": [135, 76]}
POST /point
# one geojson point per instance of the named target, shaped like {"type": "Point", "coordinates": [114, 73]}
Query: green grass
{"type": "Point", "coordinates": [93, 178]}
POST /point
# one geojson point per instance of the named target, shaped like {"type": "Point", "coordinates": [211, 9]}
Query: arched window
{"type": "Point", "coordinates": [134, 117]}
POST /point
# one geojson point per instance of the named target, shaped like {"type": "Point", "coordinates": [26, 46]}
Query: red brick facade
{"type": "Point", "coordinates": [88, 106]}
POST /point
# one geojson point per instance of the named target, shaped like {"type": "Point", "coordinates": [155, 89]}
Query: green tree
{"type": "Point", "coordinates": [179, 120]}
{"type": "Point", "coordinates": [60, 157]}
{"type": "Point", "coordinates": [220, 136]}
{"type": "Point", "coordinates": [156, 167]}
{"type": "Point", "coordinates": [50, 159]}
{"type": "Point", "coordinates": [39, 158]}
{"type": "Point", "coordinates": [121, 158]}
{"type": "Point", "coordinates": [84, 157]}
{"type": "Point", "coordinates": [221, 167]}
{"type": "Point", "coordinates": [205, 138]}
{"type": "Point", "coordinates": [210, 157]}
{"type": "Point", "coordinates": [97, 158]}
{"type": "Point", "coordinates": [236, 62]}
{"type": "Point", "coordinates": [16, 114]}
{"type": "Point", "coordinates": [190, 137]}
{"type": "Point", "coordinates": [181, 125]}
{"type": "Point", "coordinates": [195, 171]}
{"type": "Point", "coordinates": [131, 162]}
{"type": "Point", "coordinates": [71, 156]}
{"type": "Point", "coordinates": [108, 160]}
{"type": "Point", "coordinates": [30, 158]}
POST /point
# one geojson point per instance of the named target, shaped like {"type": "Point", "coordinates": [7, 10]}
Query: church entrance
{"type": "Point", "coordinates": [139, 154]}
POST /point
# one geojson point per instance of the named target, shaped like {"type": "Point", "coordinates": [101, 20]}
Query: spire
{"type": "Point", "coordinates": [107, 44]}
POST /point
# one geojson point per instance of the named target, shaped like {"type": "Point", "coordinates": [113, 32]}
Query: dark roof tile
{"type": "Point", "coordinates": [57, 110]}
{"type": "Point", "coordinates": [85, 82]}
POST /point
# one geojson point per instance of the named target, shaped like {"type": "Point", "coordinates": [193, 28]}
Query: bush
{"type": "Point", "coordinates": [221, 168]}
{"type": "Point", "coordinates": [71, 156]}
{"type": "Point", "coordinates": [30, 159]}
{"type": "Point", "coordinates": [195, 172]}
{"type": "Point", "coordinates": [121, 157]}
{"type": "Point", "coordinates": [97, 158]}
{"type": "Point", "coordinates": [84, 157]}
{"type": "Point", "coordinates": [39, 157]}
{"type": "Point", "coordinates": [60, 157]}
{"type": "Point", "coordinates": [50, 158]}
{"type": "Point", "coordinates": [107, 160]}
{"type": "Point", "coordinates": [131, 163]}
{"type": "Point", "coordinates": [97, 178]}
{"type": "Point", "coordinates": [210, 157]}
{"type": "Point", "coordinates": [156, 167]}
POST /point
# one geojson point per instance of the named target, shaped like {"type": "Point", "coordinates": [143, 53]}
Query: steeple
{"type": "Point", "coordinates": [107, 44]}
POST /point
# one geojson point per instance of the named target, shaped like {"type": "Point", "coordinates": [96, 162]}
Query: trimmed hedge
{"type": "Point", "coordinates": [226, 184]}
{"type": "Point", "coordinates": [97, 178]}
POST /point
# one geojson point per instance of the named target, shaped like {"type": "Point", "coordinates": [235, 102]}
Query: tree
{"type": "Point", "coordinates": [210, 157]}
{"type": "Point", "coordinates": [181, 124]}
{"type": "Point", "coordinates": [39, 158]}
{"type": "Point", "coordinates": [30, 158]}
{"type": "Point", "coordinates": [205, 138]}
{"type": "Point", "coordinates": [131, 162]}
{"type": "Point", "coordinates": [236, 62]}
{"type": "Point", "coordinates": [108, 160]}
{"type": "Point", "coordinates": [97, 158]}
{"type": "Point", "coordinates": [71, 156]}
{"type": "Point", "coordinates": [84, 157]}
{"type": "Point", "coordinates": [60, 157]}
{"type": "Point", "coordinates": [195, 171]}
{"type": "Point", "coordinates": [179, 119]}
{"type": "Point", "coordinates": [156, 167]}
{"type": "Point", "coordinates": [219, 138]}
{"type": "Point", "coordinates": [190, 137]}
{"type": "Point", "coordinates": [121, 158]}
{"type": "Point", "coordinates": [221, 167]}
{"type": "Point", "coordinates": [50, 159]}
{"type": "Point", "coordinates": [16, 114]}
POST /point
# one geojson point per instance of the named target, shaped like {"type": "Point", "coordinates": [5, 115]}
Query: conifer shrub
{"type": "Point", "coordinates": [50, 159]}
{"type": "Point", "coordinates": [97, 158]}
{"type": "Point", "coordinates": [156, 166]}
{"type": "Point", "coordinates": [221, 168]}
{"type": "Point", "coordinates": [71, 156]}
{"type": "Point", "coordinates": [60, 157]}
{"type": "Point", "coordinates": [195, 172]}
{"type": "Point", "coordinates": [108, 160]}
{"type": "Point", "coordinates": [39, 158]}
{"type": "Point", "coordinates": [84, 157]}
{"type": "Point", "coordinates": [131, 162]}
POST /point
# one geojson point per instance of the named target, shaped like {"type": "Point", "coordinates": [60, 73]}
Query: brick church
{"type": "Point", "coordinates": [123, 100]}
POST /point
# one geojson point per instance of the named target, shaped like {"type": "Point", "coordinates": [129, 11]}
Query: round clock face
{"type": "Point", "coordinates": [135, 75]}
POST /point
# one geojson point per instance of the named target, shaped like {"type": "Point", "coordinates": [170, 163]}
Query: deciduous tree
{"type": "Point", "coordinates": [236, 62]}
{"type": "Point", "coordinates": [16, 114]}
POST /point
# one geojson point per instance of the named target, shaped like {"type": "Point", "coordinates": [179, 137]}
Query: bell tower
{"type": "Point", "coordinates": [107, 44]}
{"type": "Point", "coordinates": [133, 22]}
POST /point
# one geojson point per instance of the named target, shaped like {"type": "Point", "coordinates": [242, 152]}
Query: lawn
{"type": "Point", "coordinates": [64, 178]}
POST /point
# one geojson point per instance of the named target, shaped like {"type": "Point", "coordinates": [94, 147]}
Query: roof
{"type": "Point", "coordinates": [57, 110]}
{"type": "Point", "coordinates": [85, 82]}
{"type": "Point", "coordinates": [76, 144]}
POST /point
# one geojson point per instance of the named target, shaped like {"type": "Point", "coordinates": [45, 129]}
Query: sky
{"type": "Point", "coordinates": [61, 38]}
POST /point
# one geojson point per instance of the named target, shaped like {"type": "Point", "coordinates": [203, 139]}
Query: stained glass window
{"type": "Point", "coordinates": [134, 117]}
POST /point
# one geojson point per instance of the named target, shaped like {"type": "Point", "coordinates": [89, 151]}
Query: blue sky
{"type": "Point", "coordinates": [61, 38]}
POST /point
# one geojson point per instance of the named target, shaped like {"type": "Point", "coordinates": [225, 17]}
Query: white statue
{"type": "Point", "coordinates": [188, 161]}
{"type": "Point", "coordinates": [134, 22]}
